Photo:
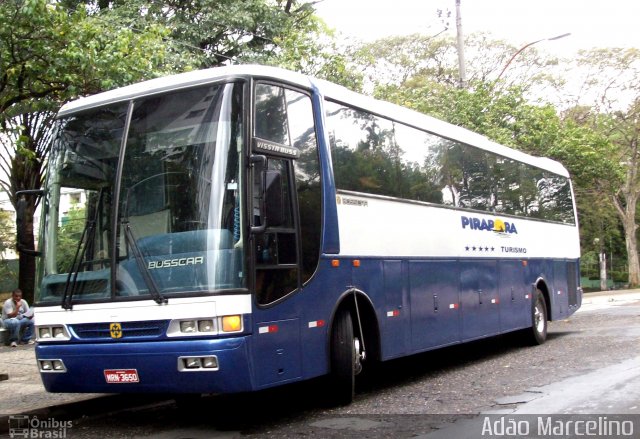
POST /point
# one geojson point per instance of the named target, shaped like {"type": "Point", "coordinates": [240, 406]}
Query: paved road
{"type": "Point", "coordinates": [589, 365]}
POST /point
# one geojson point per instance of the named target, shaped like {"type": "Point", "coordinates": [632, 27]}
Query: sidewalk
{"type": "Point", "coordinates": [603, 299]}
{"type": "Point", "coordinates": [23, 393]}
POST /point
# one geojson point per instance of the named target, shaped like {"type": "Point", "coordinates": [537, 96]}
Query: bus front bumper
{"type": "Point", "coordinates": [146, 367]}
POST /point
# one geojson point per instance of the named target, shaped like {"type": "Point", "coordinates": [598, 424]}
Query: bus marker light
{"type": "Point", "coordinates": [267, 329]}
{"type": "Point", "coordinates": [335, 263]}
{"type": "Point", "coordinates": [495, 301]}
{"type": "Point", "coordinates": [394, 313]}
{"type": "Point", "coordinates": [525, 263]}
{"type": "Point", "coordinates": [453, 306]}
{"type": "Point", "coordinates": [356, 263]}
{"type": "Point", "coordinates": [316, 324]}
{"type": "Point", "coordinates": [526, 296]}
{"type": "Point", "coordinates": [231, 323]}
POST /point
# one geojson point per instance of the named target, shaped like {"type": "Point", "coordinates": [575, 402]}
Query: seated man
{"type": "Point", "coordinates": [16, 317]}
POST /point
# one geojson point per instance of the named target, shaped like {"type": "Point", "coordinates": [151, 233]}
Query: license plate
{"type": "Point", "coordinates": [120, 376]}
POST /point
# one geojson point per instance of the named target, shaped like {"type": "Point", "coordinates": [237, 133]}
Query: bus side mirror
{"type": "Point", "coordinates": [273, 198]}
{"type": "Point", "coordinates": [22, 243]}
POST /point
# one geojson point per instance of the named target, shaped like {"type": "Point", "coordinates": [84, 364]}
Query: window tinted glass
{"type": "Point", "coordinates": [271, 114]}
{"type": "Point", "coordinates": [377, 156]}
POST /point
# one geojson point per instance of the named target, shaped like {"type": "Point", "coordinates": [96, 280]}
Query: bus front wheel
{"type": "Point", "coordinates": [345, 358]}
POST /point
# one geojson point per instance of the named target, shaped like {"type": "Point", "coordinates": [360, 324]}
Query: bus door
{"type": "Point", "coordinates": [285, 223]}
{"type": "Point", "coordinates": [479, 300]}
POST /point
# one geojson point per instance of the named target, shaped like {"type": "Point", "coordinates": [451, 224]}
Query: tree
{"type": "Point", "coordinates": [611, 89]}
{"type": "Point", "coordinates": [395, 60]}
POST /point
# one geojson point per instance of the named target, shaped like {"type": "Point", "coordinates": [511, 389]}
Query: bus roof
{"type": "Point", "coordinates": [326, 89]}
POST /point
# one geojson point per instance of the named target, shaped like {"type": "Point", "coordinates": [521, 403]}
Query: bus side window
{"type": "Point", "coordinates": [276, 251]}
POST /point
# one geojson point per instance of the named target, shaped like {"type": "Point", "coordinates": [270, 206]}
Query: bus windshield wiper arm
{"type": "Point", "coordinates": [144, 271]}
{"type": "Point", "coordinates": [72, 278]}
{"type": "Point", "coordinates": [88, 234]}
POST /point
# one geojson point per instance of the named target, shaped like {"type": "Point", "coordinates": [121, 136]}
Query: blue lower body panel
{"type": "Point", "coordinates": [156, 364]}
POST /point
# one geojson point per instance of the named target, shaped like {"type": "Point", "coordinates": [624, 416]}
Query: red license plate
{"type": "Point", "coordinates": [120, 376]}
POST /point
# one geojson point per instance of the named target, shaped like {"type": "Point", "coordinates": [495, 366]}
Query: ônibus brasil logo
{"type": "Point", "coordinates": [494, 225]}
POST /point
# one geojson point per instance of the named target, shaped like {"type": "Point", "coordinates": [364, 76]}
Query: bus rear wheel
{"type": "Point", "coordinates": [537, 334]}
{"type": "Point", "coordinates": [345, 358]}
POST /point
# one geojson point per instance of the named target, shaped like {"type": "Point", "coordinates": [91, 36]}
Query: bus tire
{"type": "Point", "coordinates": [537, 334]}
{"type": "Point", "coordinates": [343, 359]}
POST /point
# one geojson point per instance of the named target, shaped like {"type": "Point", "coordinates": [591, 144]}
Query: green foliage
{"type": "Point", "coordinates": [49, 54]}
{"type": "Point", "coordinates": [68, 238]}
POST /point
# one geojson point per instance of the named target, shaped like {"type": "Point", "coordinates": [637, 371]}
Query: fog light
{"type": "Point", "coordinates": [192, 363]}
{"type": "Point", "coordinates": [231, 323]}
{"type": "Point", "coordinates": [210, 363]}
{"type": "Point", "coordinates": [46, 365]}
{"type": "Point", "coordinates": [57, 365]}
{"type": "Point", "coordinates": [205, 325]}
{"type": "Point", "coordinates": [188, 326]}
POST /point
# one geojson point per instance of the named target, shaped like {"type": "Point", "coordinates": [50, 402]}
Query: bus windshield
{"type": "Point", "coordinates": [143, 199]}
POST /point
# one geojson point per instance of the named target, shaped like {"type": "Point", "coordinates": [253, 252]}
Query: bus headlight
{"type": "Point", "coordinates": [188, 326]}
{"type": "Point", "coordinates": [205, 326]}
{"type": "Point", "coordinates": [44, 332]}
{"type": "Point", "coordinates": [50, 333]}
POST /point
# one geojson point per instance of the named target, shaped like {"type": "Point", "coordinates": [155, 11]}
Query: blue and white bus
{"type": "Point", "coordinates": [244, 227]}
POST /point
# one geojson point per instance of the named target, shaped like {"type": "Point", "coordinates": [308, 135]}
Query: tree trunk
{"type": "Point", "coordinates": [625, 202]}
{"type": "Point", "coordinates": [627, 214]}
{"type": "Point", "coordinates": [632, 254]}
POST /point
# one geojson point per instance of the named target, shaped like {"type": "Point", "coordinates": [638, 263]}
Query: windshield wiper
{"type": "Point", "coordinates": [88, 235]}
{"type": "Point", "coordinates": [70, 285]}
{"type": "Point", "coordinates": [144, 271]}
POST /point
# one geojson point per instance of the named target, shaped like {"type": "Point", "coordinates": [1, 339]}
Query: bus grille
{"type": "Point", "coordinates": [102, 331]}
